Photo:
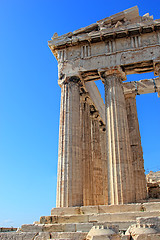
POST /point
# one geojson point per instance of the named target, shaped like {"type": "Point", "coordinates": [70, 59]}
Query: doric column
{"type": "Point", "coordinates": [104, 164]}
{"type": "Point", "coordinates": [93, 155]}
{"type": "Point", "coordinates": [97, 187]}
{"type": "Point", "coordinates": [136, 147]}
{"type": "Point", "coordinates": [69, 183]}
{"type": "Point", "coordinates": [86, 151]}
{"type": "Point", "coordinates": [119, 156]}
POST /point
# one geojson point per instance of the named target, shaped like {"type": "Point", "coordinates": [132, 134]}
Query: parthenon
{"type": "Point", "coordinates": [101, 183]}
{"type": "Point", "coordinates": [100, 159]}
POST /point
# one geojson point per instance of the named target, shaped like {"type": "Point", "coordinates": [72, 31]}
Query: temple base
{"type": "Point", "coordinates": [74, 223]}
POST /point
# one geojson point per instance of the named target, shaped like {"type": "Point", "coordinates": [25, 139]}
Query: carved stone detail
{"type": "Point", "coordinates": [62, 55]}
{"type": "Point", "coordinates": [110, 46]}
{"type": "Point", "coordinates": [85, 51]}
{"type": "Point", "coordinates": [136, 41]}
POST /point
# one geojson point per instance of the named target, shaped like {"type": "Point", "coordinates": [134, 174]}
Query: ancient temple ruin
{"type": "Point", "coordinates": [100, 159]}
{"type": "Point", "coordinates": [101, 186]}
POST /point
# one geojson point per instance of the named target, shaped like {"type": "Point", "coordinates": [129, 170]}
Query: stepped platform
{"type": "Point", "coordinates": [83, 218]}
{"type": "Point", "coordinates": [74, 223]}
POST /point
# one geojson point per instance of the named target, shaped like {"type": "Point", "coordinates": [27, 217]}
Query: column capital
{"type": "Point", "coordinates": [68, 79]}
{"type": "Point", "coordinates": [156, 65]}
{"type": "Point", "coordinates": [107, 73]}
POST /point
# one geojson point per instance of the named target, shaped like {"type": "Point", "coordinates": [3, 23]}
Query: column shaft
{"type": "Point", "coordinates": [97, 186]}
{"type": "Point", "coordinates": [119, 157]}
{"type": "Point", "coordinates": [104, 166]}
{"type": "Point", "coordinates": [136, 147]}
{"type": "Point", "coordinates": [86, 153]}
{"type": "Point", "coordinates": [69, 183]}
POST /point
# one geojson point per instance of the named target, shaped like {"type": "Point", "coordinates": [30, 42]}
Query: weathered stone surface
{"type": "Point", "coordinates": [69, 184]}
{"type": "Point", "coordinates": [53, 228]}
{"type": "Point", "coordinates": [89, 209]}
{"type": "Point", "coordinates": [70, 227]}
{"type": "Point", "coordinates": [153, 184]}
{"type": "Point", "coordinates": [86, 210]}
{"type": "Point", "coordinates": [142, 86]}
{"type": "Point", "coordinates": [147, 237]}
{"type": "Point", "coordinates": [120, 208]}
{"type": "Point", "coordinates": [65, 211]}
{"type": "Point", "coordinates": [145, 228]}
{"type": "Point", "coordinates": [140, 230]}
{"type": "Point", "coordinates": [84, 227]}
{"type": "Point", "coordinates": [153, 221]}
{"type": "Point", "coordinates": [17, 236]}
{"type": "Point", "coordinates": [155, 206]}
{"type": "Point", "coordinates": [73, 219]}
{"type": "Point", "coordinates": [136, 148]}
{"type": "Point", "coordinates": [116, 217]}
{"type": "Point", "coordinates": [32, 227]}
{"type": "Point", "coordinates": [43, 236]}
{"type": "Point", "coordinates": [153, 177]}
{"type": "Point", "coordinates": [96, 97]}
{"type": "Point", "coordinates": [48, 219]}
{"type": "Point", "coordinates": [72, 236]}
{"type": "Point", "coordinates": [102, 232]}
{"type": "Point", "coordinates": [120, 169]}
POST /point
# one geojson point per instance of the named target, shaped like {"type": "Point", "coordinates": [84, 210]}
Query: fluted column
{"type": "Point", "coordinates": [97, 187]}
{"type": "Point", "coordinates": [136, 147]}
{"type": "Point", "coordinates": [69, 183]}
{"type": "Point", "coordinates": [119, 156]}
{"type": "Point", "coordinates": [86, 151]}
{"type": "Point", "coordinates": [93, 155]}
{"type": "Point", "coordinates": [104, 165]}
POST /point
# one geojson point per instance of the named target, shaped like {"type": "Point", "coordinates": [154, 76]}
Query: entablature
{"type": "Point", "coordinates": [124, 39]}
{"type": "Point", "coordinates": [142, 86]}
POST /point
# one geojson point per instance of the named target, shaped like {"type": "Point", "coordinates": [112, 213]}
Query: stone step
{"type": "Point", "coordinates": [85, 210]}
{"type": "Point", "coordinates": [102, 217]}
{"type": "Point", "coordinates": [69, 236]}
{"type": "Point", "coordinates": [73, 227]}
{"type": "Point", "coordinates": [43, 236]}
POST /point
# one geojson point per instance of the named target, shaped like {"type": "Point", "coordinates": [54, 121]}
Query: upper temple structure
{"type": "Point", "coordinates": [100, 159]}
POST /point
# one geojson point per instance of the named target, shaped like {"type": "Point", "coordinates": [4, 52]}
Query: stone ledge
{"type": "Point", "coordinates": [102, 217]}
{"type": "Point", "coordinates": [148, 237]}
{"type": "Point", "coordinates": [120, 217]}
{"type": "Point", "coordinates": [66, 236]}
{"type": "Point", "coordinates": [43, 236]}
{"type": "Point", "coordinates": [72, 227]}
{"type": "Point", "coordinates": [85, 210]}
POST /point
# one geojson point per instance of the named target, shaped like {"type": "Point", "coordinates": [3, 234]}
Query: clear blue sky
{"type": "Point", "coordinates": [30, 99]}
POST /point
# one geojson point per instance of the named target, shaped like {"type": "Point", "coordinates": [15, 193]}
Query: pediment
{"type": "Point", "coordinates": [123, 24]}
